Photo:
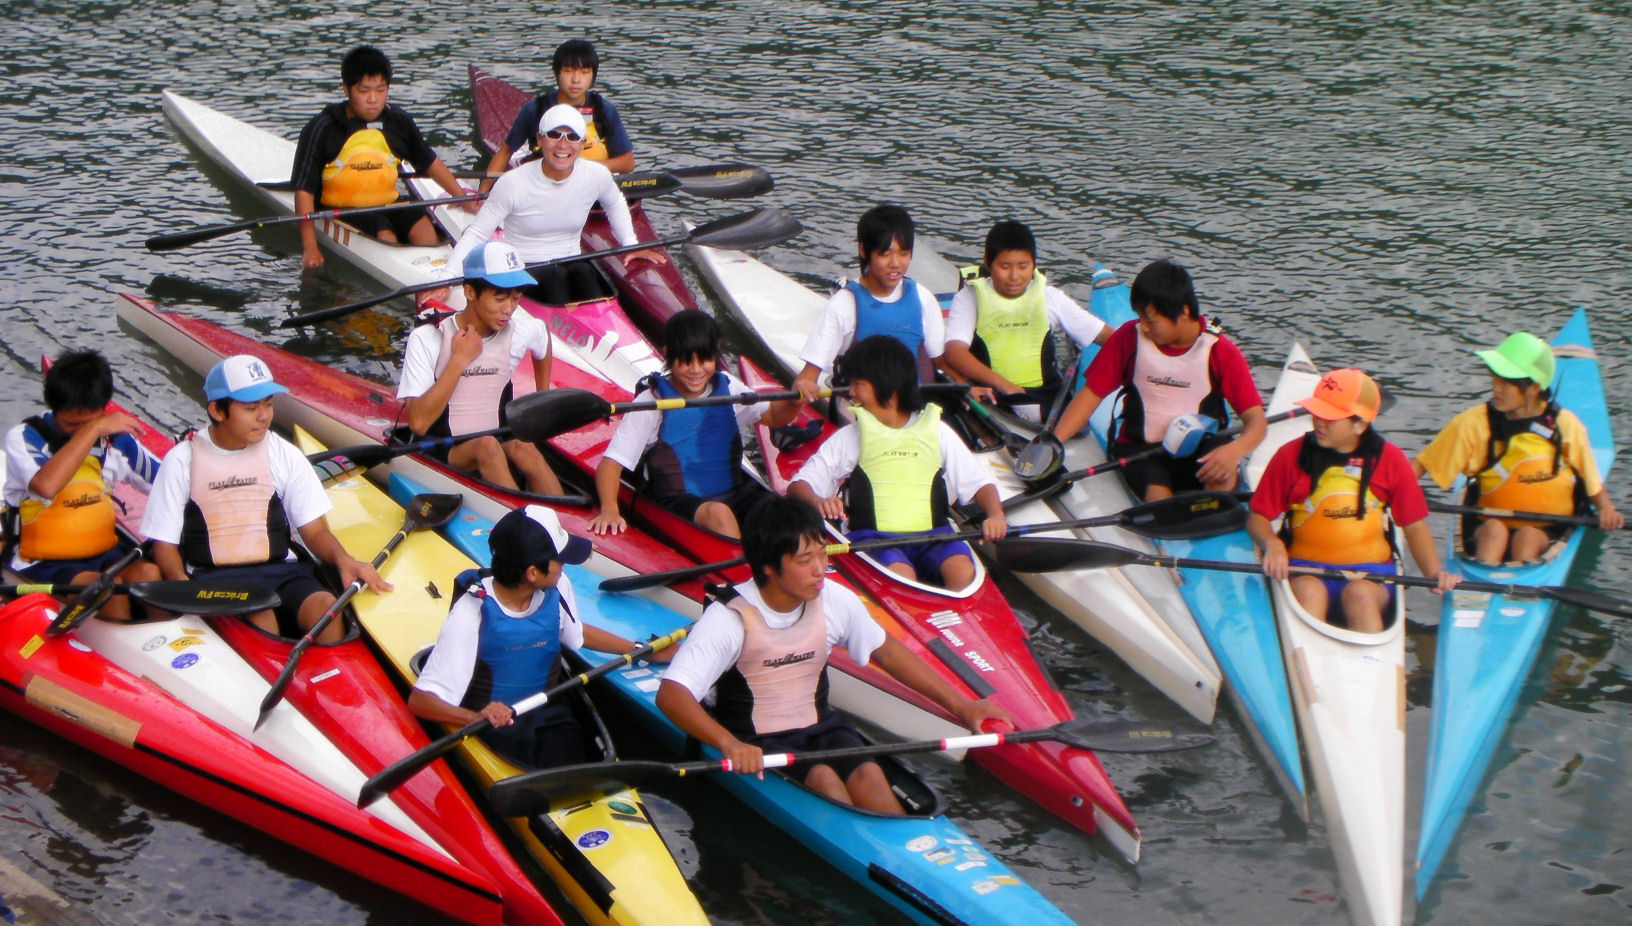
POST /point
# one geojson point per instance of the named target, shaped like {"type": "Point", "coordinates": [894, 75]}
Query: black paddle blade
{"type": "Point", "coordinates": [725, 181]}
{"type": "Point", "coordinates": [1040, 459]}
{"type": "Point", "coordinates": [1188, 516]}
{"type": "Point", "coordinates": [1589, 599]}
{"type": "Point", "coordinates": [1055, 554]}
{"type": "Point", "coordinates": [1129, 736]}
{"type": "Point", "coordinates": [745, 231]}
{"type": "Point", "coordinates": [542, 415]}
{"type": "Point", "coordinates": [431, 510]}
{"type": "Point", "coordinates": [176, 240]}
{"type": "Point", "coordinates": [205, 599]}
{"type": "Point", "coordinates": [530, 793]}
{"type": "Point", "coordinates": [645, 184]}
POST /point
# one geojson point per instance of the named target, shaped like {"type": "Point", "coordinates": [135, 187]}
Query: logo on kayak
{"type": "Point", "coordinates": [921, 844]}
{"type": "Point", "coordinates": [594, 839]}
{"type": "Point", "coordinates": [154, 643]}
{"type": "Point", "coordinates": [621, 807]}
{"type": "Point", "coordinates": [184, 660]}
{"type": "Point", "coordinates": [181, 643]}
{"type": "Point", "coordinates": [80, 645]}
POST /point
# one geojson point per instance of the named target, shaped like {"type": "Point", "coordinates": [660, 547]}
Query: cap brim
{"type": "Point", "coordinates": [515, 279]}
{"type": "Point", "coordinates": [256, 393]}
{"type": "Point", "coordinates": [576, 551]}
{"type": "Point", "coordinates": [1322, 409]}
{"type": "Point", "coordinates": [1500, 365]}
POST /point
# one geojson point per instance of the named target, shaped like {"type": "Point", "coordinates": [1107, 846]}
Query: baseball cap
{"type": "Point", "coordinates": [498, 264]}
{"type": "Point", "coordinates": [537, 530]}
{"type": "Point", "coordinates": [242, 378]}
{"type": "Point", "coordinates": [1344, 394]}
{"type": "Point", "coordinates": [562, 116]}
{"type": "Point", "coordinates": [1521, 356]}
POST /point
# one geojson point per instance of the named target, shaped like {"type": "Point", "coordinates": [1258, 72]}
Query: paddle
{"type": "Point", "coordinates": [1181, 517]}
{"type": "Point", "coordinates": [92, 597]}
{"type": "Point", "coordinates": [1056, 553]}
{"type": "Point", "coordinates": [184, 596]}
{"type": "Point", "coordinates": [1044, 454]}
{"type": "Point", "coordinates": [525, 794]}
{"type": "Point", "coordinates": [392, 776]}
{"type": "Point", "coordinates": [424, 510]}
{"type": "Point", "coordinates": [181, 239]}
{"type": "Point", "coordinates": [637, 185]}
{"type": "Point", "coordinates": [744, 231]}
{"type": "Point", "coordinates": [1575, 519]}
{"type": "Point", "coordinates": [708, 181]}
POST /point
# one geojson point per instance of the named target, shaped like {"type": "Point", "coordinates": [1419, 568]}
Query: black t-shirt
{"type": "Point", "coordinates": [322, 138]}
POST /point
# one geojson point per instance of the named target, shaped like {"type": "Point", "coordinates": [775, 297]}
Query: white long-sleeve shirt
{"type": "Point", "coordinates": [543, 219]}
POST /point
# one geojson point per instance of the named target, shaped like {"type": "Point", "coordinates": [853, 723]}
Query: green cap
{"type": "Point", "coordinates": [1521, 356]}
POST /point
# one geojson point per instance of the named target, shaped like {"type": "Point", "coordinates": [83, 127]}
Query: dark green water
{"type": "Point", "coordinates": [1392, 184]}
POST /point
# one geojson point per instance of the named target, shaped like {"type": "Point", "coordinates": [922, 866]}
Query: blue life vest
{"type": "Point", "coordinates": [902, 319]}
{"type": "Point", "coordinates": [514, 655]}
{"type": "Point", "coordinates": [698, 450]}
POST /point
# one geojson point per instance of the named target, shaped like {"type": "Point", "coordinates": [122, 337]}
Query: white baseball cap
{"type": "Point", "coordinates": [242, 378]}
{"type": "Point", "coordinates": [498, 264]}
{"type": "Point", "coordinates": [563, 116]}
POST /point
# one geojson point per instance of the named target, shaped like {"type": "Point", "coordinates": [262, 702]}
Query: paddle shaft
{"type": "Point", "coordinates": [91, 598]}
{"type": "Point", "coordinates": [1543, 516]}
{"type": "Point", "coordinates": [182, 239]}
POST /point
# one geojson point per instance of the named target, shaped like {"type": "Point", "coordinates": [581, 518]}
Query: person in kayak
{"type": "Point", "coordinates": [226, 499]}
{"type": "Point", "coordinates": [1337, 488]}
{"type": "Point", "coordinates": [542, 208]}
{"type": "Point", "coordinates": [999, 331]}
{"type": "Point", "coordinates": [690, 458]}
{"type": "Point", "coordinates": [758, 659]}
{"type": "Point", "coordinates": [458, 369]}
{"type": "Point", "coordinates": [884, 301]}
{"type": "Point", "coordinates": [348, 156]}
{"type": "Point", "coordinates": [897, 462]}
{"type": "Point", "coordinates": [1169, 364]}
{"type": "Point", "coordinates": [502, 642]}
{"type": "Point", "coordinates": [1519, 451]}
{"type": "Point", "coordinates": [576, 65]}
{"type": "Point", "coordinates": [61, 468]}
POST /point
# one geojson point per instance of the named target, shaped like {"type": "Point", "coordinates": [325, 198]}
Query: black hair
{"type": "Point", "coordinates": [480, 285]}
{"type": "Point", "coordinates": [888, 365]}
{"type": "Point", "coordinates": [363, 62]}
{"type": "Point", "coordinates": [577, 53]}
{"type": "Point", "coordinates": [1009, 235]}
{"type": "Point", "coordinates": [510, 562]}
{"type": "Point", "coordinates": [878, 227]}
{"type": "Point", "coordinates": [79, 380]}
{"type": "Point", "coordinates": [690, 334]}
{"type": "Point", "coordinates": [223, 406]}
{"type": "Point", "coordinates": [1167, 287]}
{"type": "Point", "coordinates": [774, 528]}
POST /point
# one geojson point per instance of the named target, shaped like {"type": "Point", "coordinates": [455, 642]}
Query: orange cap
{"type": "Point", "coordinates": [1344, 394]}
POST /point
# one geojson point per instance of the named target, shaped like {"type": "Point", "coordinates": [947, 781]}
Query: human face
{"type": "Point", "coordinates": [862, 393]}
{"type": "Point", "coordinates": [802, 573]}
{"type": "Point", "coordinates": [1342, 434]}
{"type": "Point", "coordinates": [1166, 332]}
{"type": "Point", "coordinates": [544, 579]}
{"type": "Point", "coordinates": [365, 99]}
{"type": "Point", "coordinates": [886, 269]}
{"type": "Point", "coordinates": [560, 154]}
{"type": "Point", "coordinates": [1514, 399]}
{"type": "Point", "coordinates": [70, 420]}
{"type": "Point", "coordinates": [490, 311]}
{"type": "Point", "coordinates": [245, 423]}
{"type": "Point", "coordinates": [692, 375]}
{"type": "Point", "coordinates": [1012, 272]}
{"type": "Point", "coordinates": [574, 82]}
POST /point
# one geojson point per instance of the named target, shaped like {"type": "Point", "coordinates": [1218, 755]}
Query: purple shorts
{"type": "Point", "coordinates": [924, 558]}
{"type": "Point", "coordinates": [1334, 587]}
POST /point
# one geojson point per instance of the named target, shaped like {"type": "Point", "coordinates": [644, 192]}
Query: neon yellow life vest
{"type": "Point", "coordinates": [1013, 330]}
{"type": "Point", "coordinates": [364, 173]}
{"type": "Point", "coordinates": [902, 468]}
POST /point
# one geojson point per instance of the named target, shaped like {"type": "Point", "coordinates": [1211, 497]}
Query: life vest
{"type": "Point", "coordinates": [1341, 521]}
{"type": "Point", "coordinates": [364, 173]}
{"type": "Point", "coordinates": [898, 485]}
{"type": "Point", "coordinates": [234, 515]}
{"type": "Point", "coordinates": [1525, 467]}
{"type": "Point", "coordinates": [1012, 336]}
{"type": "Point", "coordinates": [1158, 388]}
{"type": "Point", "coordinates": [594, 113]}
{"type": "Point", "coordinates": [515, 656]}
{"type": "Point", "coordinates": [902, 319]}
{"type": "Point", "coordinates": [698, 450]}
{"type": "Point", "coordinates": [79, 521]}
{"type": "Point", "coordinates": [779, 681]}
{"type": "Point", "coordinates": [485, 385]}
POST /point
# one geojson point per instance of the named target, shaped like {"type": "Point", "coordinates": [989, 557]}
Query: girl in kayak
{"type": "Point", "coordinates": [884, 301]}
{"type": "Point", "coordinates": [691, 458]}
{"type": "Point", "coordinates": [576, 65]}
{"type": "Point", "coordinates": [758, 657]}
{"type": "Point", "coordinates": [1337, 487]}
{"type": "Point", "coordinates": [1519, 451]}
{"type": "Point", "coordinates": [897, 463]}
{"type": "Point", "coordinates": [999, 331]}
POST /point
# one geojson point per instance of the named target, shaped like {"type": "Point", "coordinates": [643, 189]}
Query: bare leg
{"type": "Point", "coordinates": [824, 781]}
{"type": "Point", "coordinates": [957, 572]}
{"type": "Point", "coordinates": [1528, 543]}
{"type": "Point", "coordinates": [719, 518]}
{"type": "Point", "coordinates": [311, 609]}
{"type": "Point", "coordinates": [870, 790]}
{"type": "Point", "coordinates": [540, 478]}
{"type": "Point", "coordinates": [1490, 542]}
{"type": "Point", "coordinates": [1363, 604]}
{"type": "Point", "coordinates": [1310, 593]}
{"type": "Point", "coordinates": [486, 457]}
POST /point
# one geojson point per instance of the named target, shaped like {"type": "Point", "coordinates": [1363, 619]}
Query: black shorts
{"type": "Point", "coordinates": [293, 581]}
{"type": "Point", "coordinates": [62, 571]}
{"type": "Point", "coordinates": [831, 732]}
{"type": "Point", "coordinates": [741, 500]}
{"type": "Point", "coordinates": [398, 221]}
{"type": "Point", "coordinates": [564, 284]}
{"type": "Point", "coordinates": [1163, 469]}
{"type": "Point", "coordinates": [544, 737]}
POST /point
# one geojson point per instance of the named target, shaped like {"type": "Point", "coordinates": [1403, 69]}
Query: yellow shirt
{"type": "Point", "coordinates": [1461, 448]}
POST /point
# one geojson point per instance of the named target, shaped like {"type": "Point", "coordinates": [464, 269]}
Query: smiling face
{"type": "Point", "coordinates": [1012, 272]}
{"type": "Point", "coordinates": [366, 98]}
{"type": "Point", "coordinates": [692, 375]}
{"type": "Point", "coordinates": [244, 423]}
{"type": "Point", "coordinates": [886, 269]}
{"type": "Point", "coordinates": [561, 152]}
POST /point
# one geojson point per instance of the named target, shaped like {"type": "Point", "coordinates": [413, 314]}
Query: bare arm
{"type": "Point", "coordinates": [959, 359]}
{"type": "Point", "coordinates": [421, 411]}
{"type": "Point", "coordinates": [498, 164]}
{"type": "Point", "coordinates": [908, 669]}
{"type": "Point", "coordinates": [1076, 414]}
{"type": "Point", "coordinates": [681, 707]}
{"type": "Point", "coordinates": [608, 476]}
{"type": "Point", "coordinates": [622, 164]}
{"type": "Point", "coordinates": [327, 547]}
{"type": "Point", "coordinates": [427, 706]}
{"type": "Point", "coordinates": [1274, 551]}
{"type": "Point", "coordinates": [55, 472]}
{"type": "Point", "coordinates": [1420, 539]}
{"type": "Point", "coordinates": [310, 254]}
{"type": "Point", "coordinates": [167, 556]}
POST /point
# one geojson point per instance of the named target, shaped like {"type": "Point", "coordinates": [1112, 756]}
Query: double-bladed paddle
{"type": "Point", "coordinates": [92, 597]}
{"type": "Point", "coordinates": [426, 510]}
{"type": "Point", "coordinates": [183, 596]}
{"type": "Point", "coordinates": [1543, 516]}
{"type": "Point", "coordinates": [526, 794]}
{"type": "Point", "coordinates": [1181, 517]}
{"type": "Point", "coordinates": [181, 239]}
{"type": "Point", "coordinates": [707, 181]}
{"type": "Point", "coordinates": [744, 231]}
{"type": "Point", "coordinates": [392, 776]}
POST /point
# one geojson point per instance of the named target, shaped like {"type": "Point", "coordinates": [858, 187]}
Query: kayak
{"type": "Point", "coordinates": [921, 863]}
{"type": "Point", "coordinates": [1488, 643]}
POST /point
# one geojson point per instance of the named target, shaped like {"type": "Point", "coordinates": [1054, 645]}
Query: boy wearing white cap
{"type": "Point", "coordinates": [224, 503]}
{"type": "Point", "coordinates": [576, 65]}
{"type": "Point", "coordinates": [458, 369]}
{"type": "Point", "coordinates": [502, 642]}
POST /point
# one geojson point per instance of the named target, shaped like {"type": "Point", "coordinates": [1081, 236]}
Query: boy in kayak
{"type": "Point", "coordinates": [503, 639]}
{"type": "Point", "coordinates": [348, 156]}
{"type": "Point", "coordinates": [1337, 487]}
{"type": "Point", "coordinates": [691, 458]}
{"type": "Point", "coordinates": [999, 329]}
{"type": "Point", "coordinates": [884, 301]}
{"type": "Point", "coordinates": [759, 655]}
{"type": "Point", "coordinates": [61, 468]}
{"type": "Point", "coordinates": [458, 370]}
{"type": "Point", "coordinates": [1168, 364]}
{"type": "Point", "coordinates": [576, 65]}
{"type": "Point", "coordinates": [225, 501]}
{"type": "Point", "coordinates": [897, 463]}
{"type": "Point", "coordinates": [1519, 451]}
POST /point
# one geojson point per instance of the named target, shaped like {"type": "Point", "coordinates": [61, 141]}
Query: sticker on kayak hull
{"type": "Point", "coordinates": [921, 844]}
{"type": "Point", "coordinates": [155, 643]}
{"type": "Point", "coordinates": [594, 839]}
{"type": "Point", "coordinates": [184, 660]}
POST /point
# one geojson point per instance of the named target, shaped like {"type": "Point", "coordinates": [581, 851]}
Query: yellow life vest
{"type": "Point", "coordinates": [1014, 331]}
{"type": "Point", "coordinates": [364, 173]}
{"type": "Point", "coordinates": [76, 523]}
{"type": "Point", "coordinates": [1326, 528]}
{"type": "Point", "coordinates": [900, 490]}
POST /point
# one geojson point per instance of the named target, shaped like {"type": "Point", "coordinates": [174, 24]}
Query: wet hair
{"type": "Point", "coordinates": [1167, 287]}
{"type": "Point", "coordinates": [363, 62]}
{"type": "Point", "coordinates": [510, 562]}
{"type": "Point", "coordinates": [79, 380]}
{"type": "Point", "coordinates": [576, 53]}
{"type": "Point", "coordinates": [690, 334]}
{"type": "Point", "coordinates": [880, 226]}
{"type": "Point", "coordinates": [888, 365]}
{"type": "Point", "coordinates": [1009, 235]}
{"type": "Point", "coordinates": [774, 528]}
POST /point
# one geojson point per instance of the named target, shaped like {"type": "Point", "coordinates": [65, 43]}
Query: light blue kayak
{"type": "Point", "coordinates": [924, 866]}
{"type": "Point", "coordinates": [1488, 643]}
